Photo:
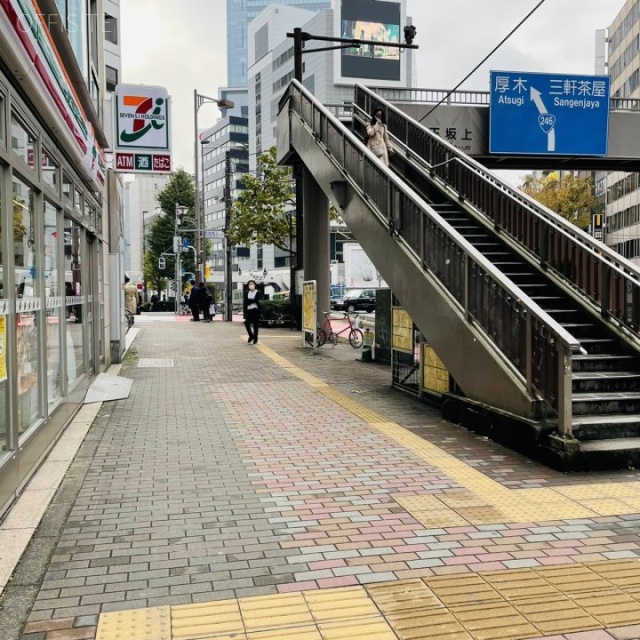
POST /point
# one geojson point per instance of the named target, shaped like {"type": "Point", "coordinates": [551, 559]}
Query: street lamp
{"type": "Point", "coordinates": [144, 252]}
{"type": "Point", "coordinates": [198, 101]}
{"type": "Point", "coordinates": [181, 212]}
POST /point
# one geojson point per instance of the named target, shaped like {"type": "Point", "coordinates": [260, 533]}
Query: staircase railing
{"type": "Point", "coordinates": [608, 280]}
{"type": "Point", "coordinates": [531, 340]}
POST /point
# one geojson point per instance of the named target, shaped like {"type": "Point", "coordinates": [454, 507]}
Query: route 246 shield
{"type": "Point", "coordinates": [547, 121]}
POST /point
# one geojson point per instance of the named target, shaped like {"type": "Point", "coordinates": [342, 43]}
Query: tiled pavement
{"type": "Point", "coordinates": [266, 493]}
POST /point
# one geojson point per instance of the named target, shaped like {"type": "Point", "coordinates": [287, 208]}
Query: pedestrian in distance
{"type": "Point", "coordinates": [251, 308]}
{"type": "Point", "coordinates": [194, 302]}
{"type": "Point", "coordinates": [130, 296]}
{"type": "Point", "coordinates": [378, 137]}
{"type": "Point", "coordinates": [205, 299]}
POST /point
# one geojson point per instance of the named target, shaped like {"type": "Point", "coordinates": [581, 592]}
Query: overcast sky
{"type": "Point", "coordinates": [182, 46]}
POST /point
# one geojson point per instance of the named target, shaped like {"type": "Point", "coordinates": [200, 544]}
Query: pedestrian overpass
{"type": "Point", "coordinates": [464, 116]}
{"type": "Point", "coordinates": [535, 321]}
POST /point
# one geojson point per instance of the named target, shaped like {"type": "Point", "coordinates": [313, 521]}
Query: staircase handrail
{"type": "Point", "coordinates": [543, 337]}
{"type": "Point", "coordinates": [592, 268]}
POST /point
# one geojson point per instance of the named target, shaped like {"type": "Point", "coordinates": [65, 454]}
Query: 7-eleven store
{"type": "Point", "coordinates": [54, 228]}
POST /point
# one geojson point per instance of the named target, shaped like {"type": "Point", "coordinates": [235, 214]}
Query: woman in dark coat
{"type": "Point", "coordinates": [251, 308]}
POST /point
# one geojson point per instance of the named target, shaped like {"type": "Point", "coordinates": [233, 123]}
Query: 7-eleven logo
{"type": "Point", "coordinates": [144, 113]}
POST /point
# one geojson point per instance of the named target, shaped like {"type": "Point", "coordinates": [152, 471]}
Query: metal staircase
{"type": "Point", "coordinates": [533, 318]}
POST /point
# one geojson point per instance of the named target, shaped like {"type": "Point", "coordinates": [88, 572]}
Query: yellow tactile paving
{"type": "Point", "coordinates": [521, 505]}
{"type": "Point", "coordinates": [464, 590]}
{"type": "Point", "coordinates": [495, 622]}
{"type": "Point", "coordinates": [270, 612]}
{"type": "Point", "coordinates": [367, 629]}
{"type": "Point", "coordinates": [403, 596]}
{"type": "Point", "coordinates": [558, 614]}
{"type": "Point", "coordinates": [137, 624]}
{"type": "Point", "coordinates": [329, 605]}
{"type": "Point", "coordinates": [193, 621]}
{"type": "Point", "coordinates": [428, 625]}
{"type": "Point", "coordinates": [574, 579]}
{"type": "Point", "coordinates": [494, 605]}
{"type": "Point", "coordinates": [295, 633]}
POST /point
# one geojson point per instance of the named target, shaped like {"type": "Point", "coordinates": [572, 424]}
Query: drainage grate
{"type": "Point", "coordinates": [155, 362]}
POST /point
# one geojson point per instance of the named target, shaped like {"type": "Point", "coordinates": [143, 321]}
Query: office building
{"type": "Point", "coordinates": [225, 157]}
{"type": "Point", "coordinates": [56, 218]}
{"type": "Point", "coordinates": [239, 14]}
{"type": "Point", "coordinates": [620, 191]}
{"type": "Point", "coordinates": [329, 75]}
{"type": "Point", "coordinates": [141, 207]}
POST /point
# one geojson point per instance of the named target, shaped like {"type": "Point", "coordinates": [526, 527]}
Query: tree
{"type": "Point", "coordinates": [571, 197]}
{"type": "Point", "coordinates": [179, 191]}
{"type": "Point", "coordinates": [259, 214]}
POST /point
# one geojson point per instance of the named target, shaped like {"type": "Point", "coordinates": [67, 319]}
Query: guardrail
{"type": "Point", "coordinates": [533, 342]}
{"type": "Point", "coordinates": [608, 280]}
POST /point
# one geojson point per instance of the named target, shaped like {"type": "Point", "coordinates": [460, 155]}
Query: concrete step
{"type": "Point", "coordinates": [614, 453]}
{"type": "Point", "coordinates": [597, 381]}
{"type": "Point", "coordinates": [606, 402]}
{"type": "Point", "coordinates": [605, 362]}
{"type": "Point", "coordinates": [607, 427]}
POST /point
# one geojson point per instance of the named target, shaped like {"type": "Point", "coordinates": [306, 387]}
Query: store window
{"type": "Point", "coordinates": [3, 335]}
{"type": "Point", "coordinates": [50, 172]}
{"type": "Point", "coordinates": [67, 187]}
{"type": "Point", "coordinates": [54, 308]}
{"type": "Point", "coordinates": [27, 305]}
{"type": "Point", "coordinates": [74, 301]}
{"type": "Point", "coordinates": [22, 142]}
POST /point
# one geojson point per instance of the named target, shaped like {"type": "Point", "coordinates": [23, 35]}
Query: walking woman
{"type": "Point", "coordinates": [251, 308]}
{"type": "Point", "coordinates": [378, 140]}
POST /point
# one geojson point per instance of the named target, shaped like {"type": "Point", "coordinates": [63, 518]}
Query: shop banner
{"type": "Point", "coordinates": [142, 125]}
{"type": "Point", "coordinates": [3, 348]}
{"type": "Point", "coordinates": [23, 29]}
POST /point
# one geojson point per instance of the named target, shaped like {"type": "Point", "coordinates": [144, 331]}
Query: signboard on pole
{"type": "Point", "coordinates": [548, 114]}
{"type": "Point", "coordinates": [597, 226]}
{"type": "Point", "coordinates": [309, 311]}
{"type": "Point", "coordinates": [142, 129]}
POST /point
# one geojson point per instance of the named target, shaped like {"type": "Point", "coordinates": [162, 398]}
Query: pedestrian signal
{"type": "Point", "coordinates": [162, 263]}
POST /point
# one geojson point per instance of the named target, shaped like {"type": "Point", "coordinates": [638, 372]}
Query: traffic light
{"type": "Point", "coordinates": [162, 263]}
{"type": "Point", "coordinates": [409, 33]}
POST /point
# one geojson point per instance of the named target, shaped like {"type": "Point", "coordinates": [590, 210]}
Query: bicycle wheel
{"type": "Point", "coordinates": [321, 337]}
{"type": "Point", "coordinates": [356, 338]}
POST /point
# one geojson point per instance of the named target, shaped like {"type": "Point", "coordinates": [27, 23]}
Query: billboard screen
{"type": "Point", "coordinates": [371, 20]}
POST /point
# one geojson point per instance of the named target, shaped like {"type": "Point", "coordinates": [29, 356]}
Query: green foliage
{"type": "Point", "coordinates": [258, 216]}
{"type": "Point", "coordinates": [571, 197]}
{"type": "Point", "coordinates": [275, 312]}
{"type": "Point", "coordinates": [179, 191]}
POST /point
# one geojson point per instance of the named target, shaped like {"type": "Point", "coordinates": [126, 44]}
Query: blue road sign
{"type": "Point", "coordinates": [550, 114]}
{"type": "Point", "coordinates": [185, 242]}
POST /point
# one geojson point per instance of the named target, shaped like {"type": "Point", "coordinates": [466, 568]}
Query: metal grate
{"type": "Point", "coordinates": [107, 387]}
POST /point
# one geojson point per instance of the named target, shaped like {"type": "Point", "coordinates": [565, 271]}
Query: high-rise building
{"type": "Point", "coordinates": [620, 190]}
{"type": "Point", "coordinates": [239, 14]}
{"type": "Point", "coordinates": [55, 223]}
{"type": "Point", "coordinates": [329, 75]}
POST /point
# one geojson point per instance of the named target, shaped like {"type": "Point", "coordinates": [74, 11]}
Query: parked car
{"type": "Point", "coordinates": [356, 300]}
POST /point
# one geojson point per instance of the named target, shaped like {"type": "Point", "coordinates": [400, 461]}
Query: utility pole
{"type": "Point", "coordinates": [228, 314]}
{"type": "Point", "coordinates": [196, 202]}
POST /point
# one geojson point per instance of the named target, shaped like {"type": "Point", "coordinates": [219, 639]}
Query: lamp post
{"type": "Point", "coordinates": [198, 101]}
{"type": "Point", "coordinates": [180, 213]}
{"type": "Point", "coordinates": [144, 252]}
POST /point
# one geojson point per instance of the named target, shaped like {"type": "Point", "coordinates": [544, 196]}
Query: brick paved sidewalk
{"type": "Point", "coordinates": [235, 473]}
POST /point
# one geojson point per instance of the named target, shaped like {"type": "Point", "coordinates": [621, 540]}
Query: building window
{"type": "Point", "coordinates": [111, 78]}
{"type": "Point", "coordinates": [111, 29]}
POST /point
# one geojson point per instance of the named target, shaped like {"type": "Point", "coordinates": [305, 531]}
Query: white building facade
{"type": "Point", "coordinates": [620, 191]}
{"type": "Point", "coordinates": [271, 69]}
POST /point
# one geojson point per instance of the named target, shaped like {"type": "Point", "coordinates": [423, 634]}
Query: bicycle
{"type": "Point", "coordinates": [129, 318]}
{"type": "Point", "coordinates": [327, 333]}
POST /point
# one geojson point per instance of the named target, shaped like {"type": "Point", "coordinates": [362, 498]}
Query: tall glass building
{"type": "Point", "coordinates": [239, 14]}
